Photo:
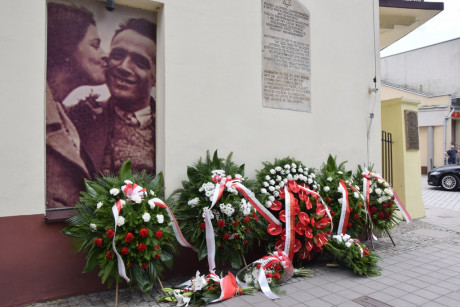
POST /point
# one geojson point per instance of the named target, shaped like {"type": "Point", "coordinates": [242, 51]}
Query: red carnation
{"type": "Point", "coordinates": [157, 256]}
{"type": "Point", "coordinates": [157, 247]}
{"type": "Point", "coordinates": [226, 236]}
{"type": "Point", "coordinates": [385, 206]}
{"type": "Point", "coordinates": [220, 224]}
{"type": "Point", "coordinates": [380, 215]}
{"type": "Point", "coordinates": [236, 223]}
{"type": "Point", "coordinates": [98, 241]}
{"type": "Point", "coordinates": [258, 266]}
{"type": "Point", "coordinates": [356, 216]}
{"type": "Point", "coordinates": [236, 236]}
{"type": "Point", "coordinates": [349, 225]}
{"type": "Point", "coordinates": [268, 275]}
{"type": "Point", "coordinates": [278, 267]}
{"type": "Point", "coordinates": [254, 214]}
{"type": "Point", "coordinates": [256, 218]}
{"type": "Point", "coordinates": [129, 237]}
{"type": "Point", "coordinates": [141, 247]}
{"type": "Point", "coordinates": [211, 288]}
{"type": "Point", "coordinates": [247, 230]}
{"type": "Point", "coordinates": [373, 209]}
{"type": "Point", "coordinates": [109, 255]}
{"type": "Point", "coordinates": [246, 219]}
{"type": "Point", "coordinates": [332, 213]}
{"type": "Point", "coordinates": [158, 234]}
{"type": "Point", "coordinates": [145, 265]}
{"type": "Point", "coordinates": [144, 232]}
{"type": "Point", "coordinates": [110, 233]}
{"type": "Point", "coordinates": [124, 250]}
{"type": "Point", "coordinates": [329, 200]}
{"type": "Point", "coordinates": [276, 276]}
{"type": "Point", "coordinates": [202, 225]}
{"type": "Point", "coordinates": [245, 242]}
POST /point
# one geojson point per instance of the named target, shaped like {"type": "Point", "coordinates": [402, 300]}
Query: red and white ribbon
{"type": "Point", "coordinates": [367, 176]}
{"type": "Point", "coordinates": [345, 212]}
{"type": "Point", "coordinates": [132, 191]}
{"type": "Point", "coordinates": [266, 262]}
{"type": "Point", "coordinates": [290, 224]}
{"type": "Point", "coordinates": [221, 183]}
{"type": "Point", "coordinates": [174, 224]}
{"type": "Point", "coordinates": [121, 265]}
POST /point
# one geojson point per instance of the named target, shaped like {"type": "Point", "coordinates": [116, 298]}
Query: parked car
{"type": "Point", "coordinates": [447, 177]}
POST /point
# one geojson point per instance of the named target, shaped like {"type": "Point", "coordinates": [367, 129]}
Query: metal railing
{"type": "Point", "coordinates": [387, 157]}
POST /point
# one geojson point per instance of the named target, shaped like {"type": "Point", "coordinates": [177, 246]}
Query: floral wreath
{"type": "Point", "coordinates": [382, 202]}
{"type": "Point", "coordinates": [344, 199]}
{"type": "Point", "coordinates": [353, 254]}
{"type": "Point", "coordinates": [307, 221]}
{"type": "Point", "coordinates": [123, 227]}
{"type": "Point", "coordinates": [211, 191]}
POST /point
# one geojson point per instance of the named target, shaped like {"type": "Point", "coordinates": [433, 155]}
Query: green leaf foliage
{"type": "Point", "coordinates": [143, 237]}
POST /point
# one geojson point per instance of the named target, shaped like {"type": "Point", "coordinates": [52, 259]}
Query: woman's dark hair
{"type": "Point", "coordinates": [67, 25]}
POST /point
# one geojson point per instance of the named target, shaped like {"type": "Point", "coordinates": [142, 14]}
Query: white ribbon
{"type": "Point", "coordinates": [121, 265]}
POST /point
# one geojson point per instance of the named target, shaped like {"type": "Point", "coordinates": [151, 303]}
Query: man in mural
{"type": "Point", "coordinates": [126, 127]}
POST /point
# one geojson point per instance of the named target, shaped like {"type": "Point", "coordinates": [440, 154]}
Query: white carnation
{"type": "Point", "coordinates": [114, 191]}
{"type": "Point", "coordinates": [146, 217]}
{"type": "Point", "coordinates": [278, 168]}
{"type": "Point", "coordinates": [329, 179]}
{"type": "Point", "coordinates": [99, 205]}
{"type": "Point", "coordinates": [378, 191]}
{"type": "Point", "coordinates": [326, 189]}
{"type": "Point", "coordinates": [263, 191]}
{"type": "Point", "coordinates": [272, 171]}
{"type": "Point", "coordinates": [271, 198]}
{"type": "Point", "coordinates": [151, 202]}
{"type": "Point", "coordinates": [267, 177]}
{"type": "Point", "coordinates": [137, 199]}
{"type": "Point", "coordinates": [93, 226]}
{"type": "Point", "coordinates": [287, 166]}
{"type": "Point", "coordinates": [120, 221]}
{"type": "Point", "coordinates": [160, 218]}
{"type": "Point", "coordinates": [128, 182]}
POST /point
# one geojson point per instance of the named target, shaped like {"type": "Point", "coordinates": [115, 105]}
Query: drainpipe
{"type": "Point", "coordinates": [445, 133]}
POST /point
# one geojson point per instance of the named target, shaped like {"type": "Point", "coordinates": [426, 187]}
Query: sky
{"type": "Point", "coordinates": [443, 27]}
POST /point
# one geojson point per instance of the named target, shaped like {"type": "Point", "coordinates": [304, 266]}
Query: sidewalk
{"type": "Point", "coordinates": [421, 270]}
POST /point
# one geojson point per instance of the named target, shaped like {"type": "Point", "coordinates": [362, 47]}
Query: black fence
{"type": "Point", "coordinates": [387, 157]}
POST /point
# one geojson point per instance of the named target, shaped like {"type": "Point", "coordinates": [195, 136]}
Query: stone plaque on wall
{"type": "Point", "coordinates": [286, 55]}
{"type": "Point", "coordinates": [411, 123]}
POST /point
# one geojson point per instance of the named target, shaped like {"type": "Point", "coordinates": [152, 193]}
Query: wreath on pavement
{"type": "Point", "coordinates": [211, 189]}
{"type": "Point", "coordinates": [289, 190]}
{"type": "Point", "coordinates": [122, 225]}
{"type": "Point", "coordinates": [344, 199]}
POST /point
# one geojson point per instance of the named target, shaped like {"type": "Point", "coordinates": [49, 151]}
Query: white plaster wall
{"type": "Point", "coordinates": [433, 69]}
{"type": "Point", "coordinates": [210, 92]}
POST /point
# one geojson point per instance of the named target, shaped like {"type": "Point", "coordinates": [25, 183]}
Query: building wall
{"type": "Point", "coordinates": [209, 97]}
{"type": "Point", "coordinates": [432, 69]}
{"type": "Point", "coordinates": [406, 163]}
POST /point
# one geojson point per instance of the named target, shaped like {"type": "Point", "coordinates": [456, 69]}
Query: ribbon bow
{"type": "Point", "coordinates": [266, 262]}
{"type": "Point", "coordinates": [367, 176]}
{"type": "Point", "coordinates": [133, 191]}
{"type": "Point", "coordinates": [221, 183]}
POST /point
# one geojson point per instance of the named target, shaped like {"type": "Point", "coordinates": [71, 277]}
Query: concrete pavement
{"type": "Point", "coordinates": [421, 270]}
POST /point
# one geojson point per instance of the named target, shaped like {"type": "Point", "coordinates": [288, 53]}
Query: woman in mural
{"type": "Point", "coordinates": [74, 58]}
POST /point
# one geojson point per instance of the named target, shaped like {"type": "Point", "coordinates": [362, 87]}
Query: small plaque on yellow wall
{"type": "Point", "coordinates": [411, 123]}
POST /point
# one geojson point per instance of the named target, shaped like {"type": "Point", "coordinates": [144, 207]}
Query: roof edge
{"type": "Point", "coordinates": [412, 4]}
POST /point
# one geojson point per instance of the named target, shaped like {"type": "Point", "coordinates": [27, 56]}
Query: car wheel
{"type": "Point", "coordinates": [449, 182]}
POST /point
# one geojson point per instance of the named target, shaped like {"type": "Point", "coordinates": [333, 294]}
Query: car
{"type": "Point", "coordinates": [447, 177]}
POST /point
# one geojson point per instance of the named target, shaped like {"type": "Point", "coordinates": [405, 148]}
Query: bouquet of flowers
{"type": "Point", "coordinates": [203, 289]}
{"type": "Point", "coordinates": [353, 254]}
{"type": "Point", "coordinates": [269, 272]}
{"type": "Point", "coordinates": [235, 223]}
{"type": "Point", "coordinates": [123, 227]}
{"type": "Point", "coordinates": [306, 219]}
{"type": "Point", "coordinates": [381, 201]}
{"type": "Point", "coordinates": [344, 200]}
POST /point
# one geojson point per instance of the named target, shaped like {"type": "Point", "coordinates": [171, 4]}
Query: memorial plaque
{"type": "Point", "coordinates": [286, 55]}
{"type": "Point", "coordinates": [411, 123]}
